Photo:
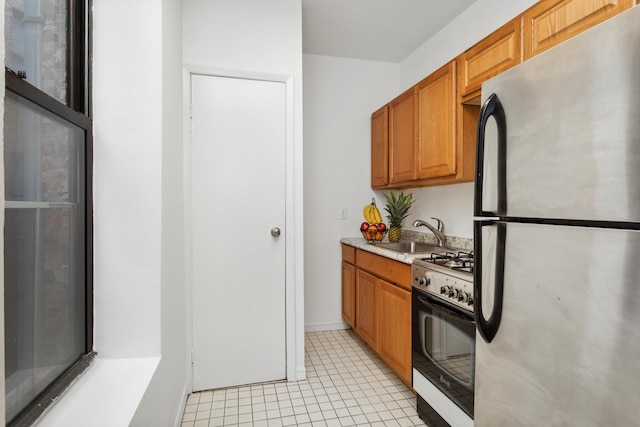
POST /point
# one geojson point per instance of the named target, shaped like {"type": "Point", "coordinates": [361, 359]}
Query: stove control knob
{"type": "Point", "coordinates": [422, 281]}
{"type": "Point", "coordinates": [453, 293]}
{"type": "Point", "coordinates": [463, 296]}
{"type": "Point", "coordinates": [470, 300]}
{"type": "Point", "coordinates": [445, 290]}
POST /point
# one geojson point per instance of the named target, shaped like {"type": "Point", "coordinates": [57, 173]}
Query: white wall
{"type": "Point", "coordinates": [163, 402]}
{"type": "Point", "coordinates": [454, 203]}
{"type": "Point", "coordinates": [257, 39]}
{"type": "Point", "coordinates": [479, 20]}
{"type": "Point", "coordinates": [139, 376]}
{"type": "Point", "coordinates": [127, 105]}
{"type": "Point", "coordinates": [141, 301]}
{"type": "Point", "coordinates": [339, 96]}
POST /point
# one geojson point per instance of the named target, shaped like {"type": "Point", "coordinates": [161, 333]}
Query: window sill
{"type": "Point", "coordinates": [106, 394]}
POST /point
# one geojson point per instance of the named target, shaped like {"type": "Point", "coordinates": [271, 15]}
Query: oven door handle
{"type": "Point", "coordinates": [445, 307]}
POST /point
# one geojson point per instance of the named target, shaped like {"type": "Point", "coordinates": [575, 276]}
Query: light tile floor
{"type": "Point", "coordinates": [347, 385]}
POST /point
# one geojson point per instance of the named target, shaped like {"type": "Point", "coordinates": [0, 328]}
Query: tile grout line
{"type": "Point", "coordinates": [347, 384]}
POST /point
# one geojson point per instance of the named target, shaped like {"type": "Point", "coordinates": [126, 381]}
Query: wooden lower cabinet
{"type": "Point", "coordinates": [394, 331]}
{"type": "Point", "coordinates": [366, 308]}
{"type": "Point", "coordinates": [378, 308]}
{"type": "Point", "coordinates": [349, 293]}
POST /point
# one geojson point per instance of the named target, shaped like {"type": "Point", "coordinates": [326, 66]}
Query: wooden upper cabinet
{"type": "Point", "coordinates": [550, 22]}
{"type": "Point", "coordinates": [402, 137]}
{"type": "Point", "coordinates": [467, 125]}
{"type": "Point", "coordinates": [380, 147]}
{"type": "Point", "coordinates": [496, 53]}
{"type": "Point", "coordinates": [436, 124]}
{"type": "Point", "coordinates": [426, 136]}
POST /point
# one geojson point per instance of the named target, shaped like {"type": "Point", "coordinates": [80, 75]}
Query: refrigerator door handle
{"type": "Point", "coordinates": [492, 107]}
{"type": "Point", "coordinates": [488, 327]}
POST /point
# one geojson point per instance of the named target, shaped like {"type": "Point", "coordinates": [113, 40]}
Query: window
{"type": "Point", "coordinates": [47, 231]}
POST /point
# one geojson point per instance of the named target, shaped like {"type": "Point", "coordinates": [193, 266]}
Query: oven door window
{"type": "Point", "coordinates": [444, 348]}
{"type": "Point", "coordinates": [446, 343]}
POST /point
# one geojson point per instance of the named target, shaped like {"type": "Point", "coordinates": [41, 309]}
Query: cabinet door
{"type": "Point", "coordinates": [402, 138]}
{"type": "Point", "coordinates": [496, 53]}
{"type": "Point", "coordinates": [366, 305]}
{"type": "Point", "coordinates": [349, 293]}
{"type": "Point", "coordinates": [550, 22]}
{"type": "Point", "coordinates": [467, 127]}
{"type": "Point", "coordinates": [436, 124]}
{"type": "Point", "coordinates": [394, 337]}
{"type": "Point", "coordinates": [380, 147]}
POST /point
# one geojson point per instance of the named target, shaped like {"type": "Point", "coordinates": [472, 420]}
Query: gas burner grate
{"type": "Point", "coordinates": [460, 261]}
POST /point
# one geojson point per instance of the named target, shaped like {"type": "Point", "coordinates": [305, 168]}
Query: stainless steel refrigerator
{"type": "Point", "coordinates": [557, 235]}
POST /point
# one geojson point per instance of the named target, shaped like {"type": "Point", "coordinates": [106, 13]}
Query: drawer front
{"type": "Point", "coordinates": [388, 269]}
{"type": "Point", "coordinates": [349, 254]}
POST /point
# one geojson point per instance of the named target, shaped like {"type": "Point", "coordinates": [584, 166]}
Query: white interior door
{"type": "Point", "coordinates": [237, 199]}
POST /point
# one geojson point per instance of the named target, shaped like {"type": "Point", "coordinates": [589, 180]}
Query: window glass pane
{"type": "Point", "coordinates": [36, 43]}
{"type": "Point", "coordinates": [43, 250]}
{"type": "Point", "coordinates": [41, 155]}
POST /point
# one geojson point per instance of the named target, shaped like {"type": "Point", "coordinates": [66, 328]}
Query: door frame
{"type": "Point", "coordinates": [294, 238]}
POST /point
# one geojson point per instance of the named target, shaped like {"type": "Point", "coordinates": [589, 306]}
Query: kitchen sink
{"type": "Point", "coordinates": [411, 247]}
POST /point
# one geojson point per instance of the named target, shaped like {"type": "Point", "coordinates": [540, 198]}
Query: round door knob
{"type": "Point", "coordinates": [275, 231]}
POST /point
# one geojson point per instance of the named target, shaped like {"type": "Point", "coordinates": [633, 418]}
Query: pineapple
{"type": "Point", "coordinates": [398, 209]}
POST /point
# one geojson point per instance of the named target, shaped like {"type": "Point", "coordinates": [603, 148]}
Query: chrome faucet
{"type": "Point", "coordinates": [438, 232]}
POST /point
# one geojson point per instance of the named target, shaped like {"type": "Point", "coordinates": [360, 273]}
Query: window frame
{"type": "Point", "coordinates": [78, 112]}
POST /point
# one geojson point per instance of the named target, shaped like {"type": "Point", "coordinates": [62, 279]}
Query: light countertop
{"type": "Point", "coordinates": [459, 243]}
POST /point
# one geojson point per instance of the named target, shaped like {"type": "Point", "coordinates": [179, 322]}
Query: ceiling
{"type": "Point", "coordinates": [380, 30]}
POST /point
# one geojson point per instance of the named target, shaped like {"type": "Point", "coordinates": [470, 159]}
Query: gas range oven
{"type": "Point", "coordinates": [443, 338]}
{"type": "Point", "coordinates": [446, 275]}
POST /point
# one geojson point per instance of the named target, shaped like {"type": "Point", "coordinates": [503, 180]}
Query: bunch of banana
{"type": "Point", "coordinates": [371, 213]}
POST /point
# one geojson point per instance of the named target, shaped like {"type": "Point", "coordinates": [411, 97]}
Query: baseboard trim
{"type": "Point", "coordinates": [327, 326]}
{"type": "Point", "coordinates": [183, 404]}
{"type": "Point", "coordinates": [301, 374]}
